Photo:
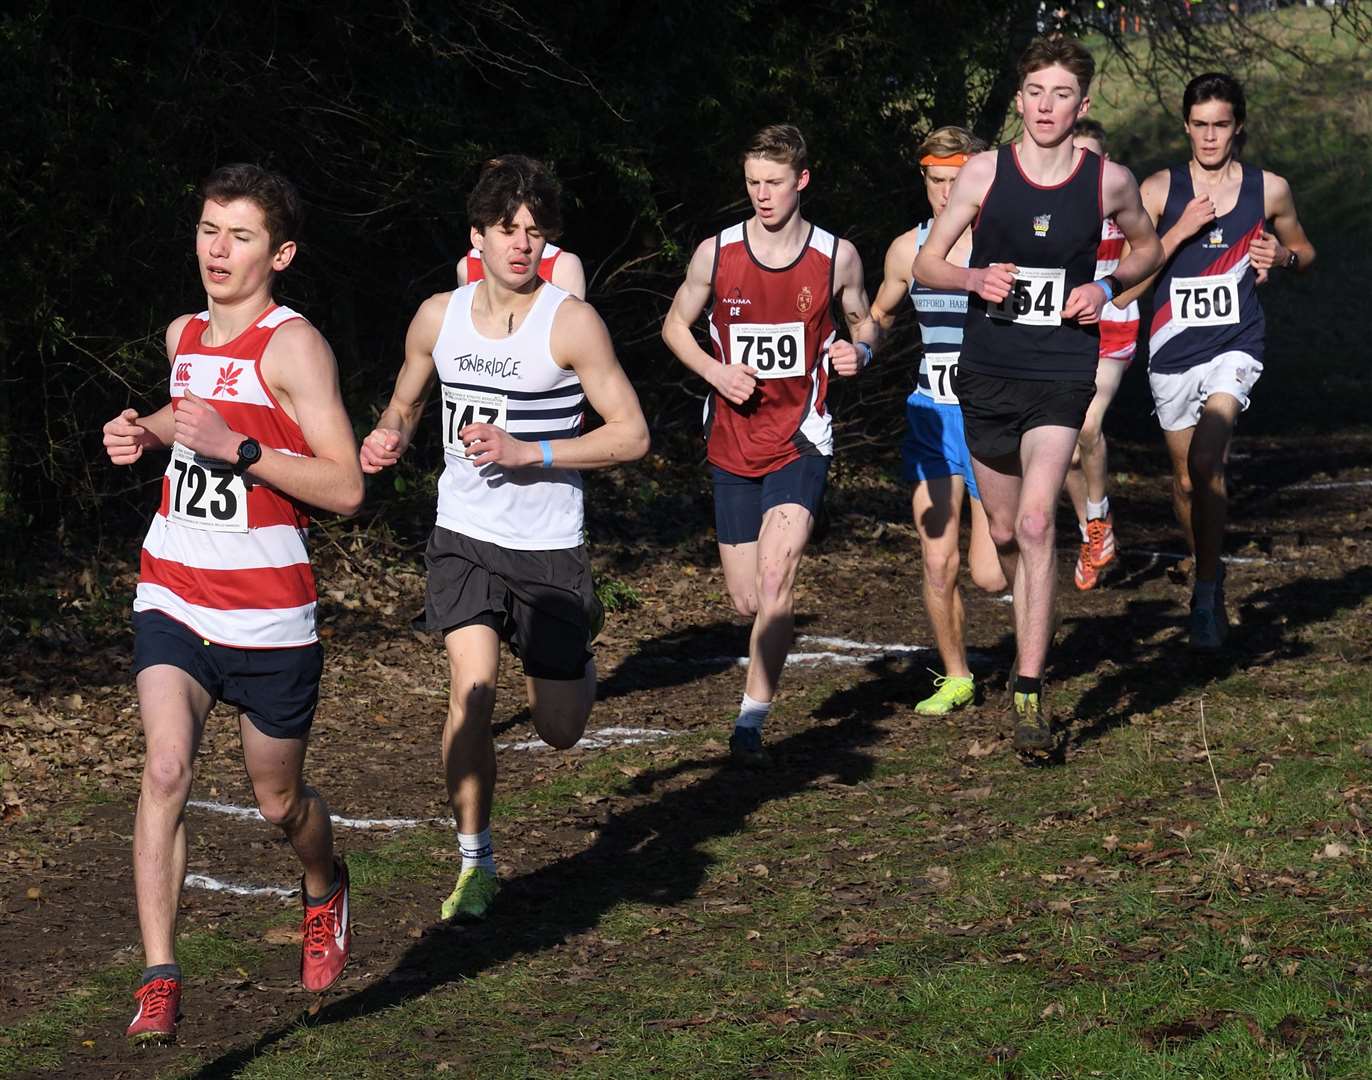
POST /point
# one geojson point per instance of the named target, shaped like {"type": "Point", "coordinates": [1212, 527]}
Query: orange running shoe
{"type": "Point", "coordinates": [1100, 537]}
{"type": "Point", "coordinates": [159, 1008]}
{"type": "Point", "coordinates": [327, 937]}
{"type": "Point", "coordinates": [1086, 575]}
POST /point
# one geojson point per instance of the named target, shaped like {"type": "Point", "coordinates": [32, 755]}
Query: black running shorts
{"type": "Point", "coordinates": [276, 689]}
{"type": "Point", "coordinates": [542, 602]}
{"type": "Point", "coordinates": [996, 412]}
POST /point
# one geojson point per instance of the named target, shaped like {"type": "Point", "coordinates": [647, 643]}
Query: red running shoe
{"type": "Point", "coordinates": [1085, 575]}
{"type": "Point", "coordinates": [1100, 537]}
{"type": "Point", "coordinates": [327, 937]}
{"type": "Point", "coordinates": [159, 1008]}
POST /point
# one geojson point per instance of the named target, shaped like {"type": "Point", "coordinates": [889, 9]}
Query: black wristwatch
{"type": "Point", "coordinates": [1116, 286]}
{"type": "Point", "coordinates": [1293, 261]}
{"type": "Point", "coordinates": [249, 454]}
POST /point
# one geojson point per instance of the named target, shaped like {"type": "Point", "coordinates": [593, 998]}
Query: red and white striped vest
{"type": "Point", "coordinates": [476, 269]}
{"type": "Point", "coordinates": [1119, 327]}
{"type": "Point", "coordinates": [226, 556]}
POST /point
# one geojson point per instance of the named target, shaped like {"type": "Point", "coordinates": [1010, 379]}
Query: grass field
{"type": "Point", "coordinates": [1188, 896]}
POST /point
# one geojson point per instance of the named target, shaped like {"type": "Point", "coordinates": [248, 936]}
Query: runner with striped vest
{"type": "Point", "coordinates": [937, 463]}
{"type": "Point", "coordinates": [1207, 336]}
{"type": "Point", "coordinates": [225, 607]}
{"type": "Point", "coordinates": [557, 267]}
{"type": "Point", "coordinates": [1119, 331]}
{"type": "Point", "coordinates": [519, 360]}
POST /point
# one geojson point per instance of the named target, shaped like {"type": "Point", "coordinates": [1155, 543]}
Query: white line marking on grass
{"type": "Point", "coordinates": [1331, 485]}
{"type": "Point", "coordinates": [865, 646]}
{"type": "Point", "coordinates": [1238, 560]}
{"type": "Point", "coordinates": [204, 881]}
{"type": "Point", "coordinates": [347, 823]}
{"type": "Point", "coordinates": [600, 739]}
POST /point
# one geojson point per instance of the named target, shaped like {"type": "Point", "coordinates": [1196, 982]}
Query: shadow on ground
{"type": "Point", "coordinates": [650, 854]}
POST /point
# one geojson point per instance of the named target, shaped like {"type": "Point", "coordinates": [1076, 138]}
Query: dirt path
{"type": "Point", "coordinates": [669, 671]}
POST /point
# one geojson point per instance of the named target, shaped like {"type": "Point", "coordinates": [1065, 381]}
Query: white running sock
{"type": "Point", "coordinates": [1096, 510]}
{"type": "Point", "coordinates": [476, 850]}
{"type": "Point", "coordinates": [1082, 529]}
{"type": "Point", "coordinates": [752, 713]}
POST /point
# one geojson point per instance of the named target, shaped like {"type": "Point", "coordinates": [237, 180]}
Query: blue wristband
{"type": "Point", "coordinates": [1105, 288]}
{"type": "Point", "coordinates": [867, 354]}
{"type": "Point", "coordinates": [547, 448]}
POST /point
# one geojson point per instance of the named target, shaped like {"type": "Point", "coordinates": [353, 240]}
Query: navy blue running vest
{"type": "Point", "coordinates": [1221, 248]}
{"type": "Point", "coordinates": [1024, 223]}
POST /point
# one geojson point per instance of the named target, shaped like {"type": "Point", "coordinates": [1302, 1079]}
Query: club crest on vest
{"type": "Point", "coordinates": [1041, 223]}
{"type": "Point", "coordinates": [804, 299]}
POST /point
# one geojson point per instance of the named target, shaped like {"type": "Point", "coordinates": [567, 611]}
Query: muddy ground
{"type": "Point", "coordinates": [69, 727]}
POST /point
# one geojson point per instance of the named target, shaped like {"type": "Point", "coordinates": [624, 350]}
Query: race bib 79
{"type": "Point", "coordinates": [941, 369]}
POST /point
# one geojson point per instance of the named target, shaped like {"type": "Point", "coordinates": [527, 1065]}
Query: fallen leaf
{"type": "Point", "coordinates": [282, 935]}
{"type": "Point", "coordinates": [34, 893]}
{"type": "Point", "coordinates": [977, 750]}
{"type": "Point", "coordinates": [1111, 842]}
{"type": "Point", "coordinates": [1053, 1010]}
{"type": "Point", "coordinates": [973, 793]}
{"type": "Point", "coordinates": [1334, 850]}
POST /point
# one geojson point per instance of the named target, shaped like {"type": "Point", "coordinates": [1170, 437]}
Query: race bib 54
{"type": "Point", "coordinates": [1036, 299]}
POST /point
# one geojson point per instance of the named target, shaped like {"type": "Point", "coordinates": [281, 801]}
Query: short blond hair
{"type": "Point", "coordinates": [949, 140]}
{"type": "Point", "coordinates": [782, 143]}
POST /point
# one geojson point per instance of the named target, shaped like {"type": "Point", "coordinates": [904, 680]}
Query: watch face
{"type": "Point", "coordinates": [249, 451]}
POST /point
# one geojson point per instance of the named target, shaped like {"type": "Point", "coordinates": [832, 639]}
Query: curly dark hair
{"type": "Point", "coordinates": [510, 181]}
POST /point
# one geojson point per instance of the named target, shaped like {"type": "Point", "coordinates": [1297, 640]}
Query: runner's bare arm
{"type": "Point", "coordinates": [895, 281]}
{"type": "Point", "coordinates": [932, 268]}
{"type": "Point", "coordinates": [299, 368]}
{"type": "Point", "coordinates": [128, 434]}
{"type": "Point", "coordinates": [397, 424]}
{"type": "Point", "coordinates": [581, 343]}
{"type": "Point", "coordinates": [1121, 200]}
{"type": "Point", "coordinates": [851, 292]}
{"type": "Point", "coordinates": [462, 271]}
{"type": "Point", "coordinates": [1272, 251]}
{"type": "Point", "coordinates": [1153, 196]}
{"type": "Point", "coordinates": [569, 274]}
{"type": "Point", "coordinates": [735, 382]}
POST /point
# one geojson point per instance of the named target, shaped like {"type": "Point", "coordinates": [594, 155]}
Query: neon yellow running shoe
{"type": "Point", "coordinates": [471, 897]}
{"type": "Point", "coordinates": [950, 692]}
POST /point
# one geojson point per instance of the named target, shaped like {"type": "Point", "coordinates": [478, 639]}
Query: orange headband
{"type": "Point", "coordinates": [957, 161]}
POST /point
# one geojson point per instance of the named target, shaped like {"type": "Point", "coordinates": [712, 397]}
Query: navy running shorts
{"type": "Point", "coordinates": [276, 689]}
{"type": "Point", "coordinates": [741, 501]}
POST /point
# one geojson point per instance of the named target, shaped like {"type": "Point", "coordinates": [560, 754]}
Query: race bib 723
{"type": "Point", "coordinates": [205, 493]}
